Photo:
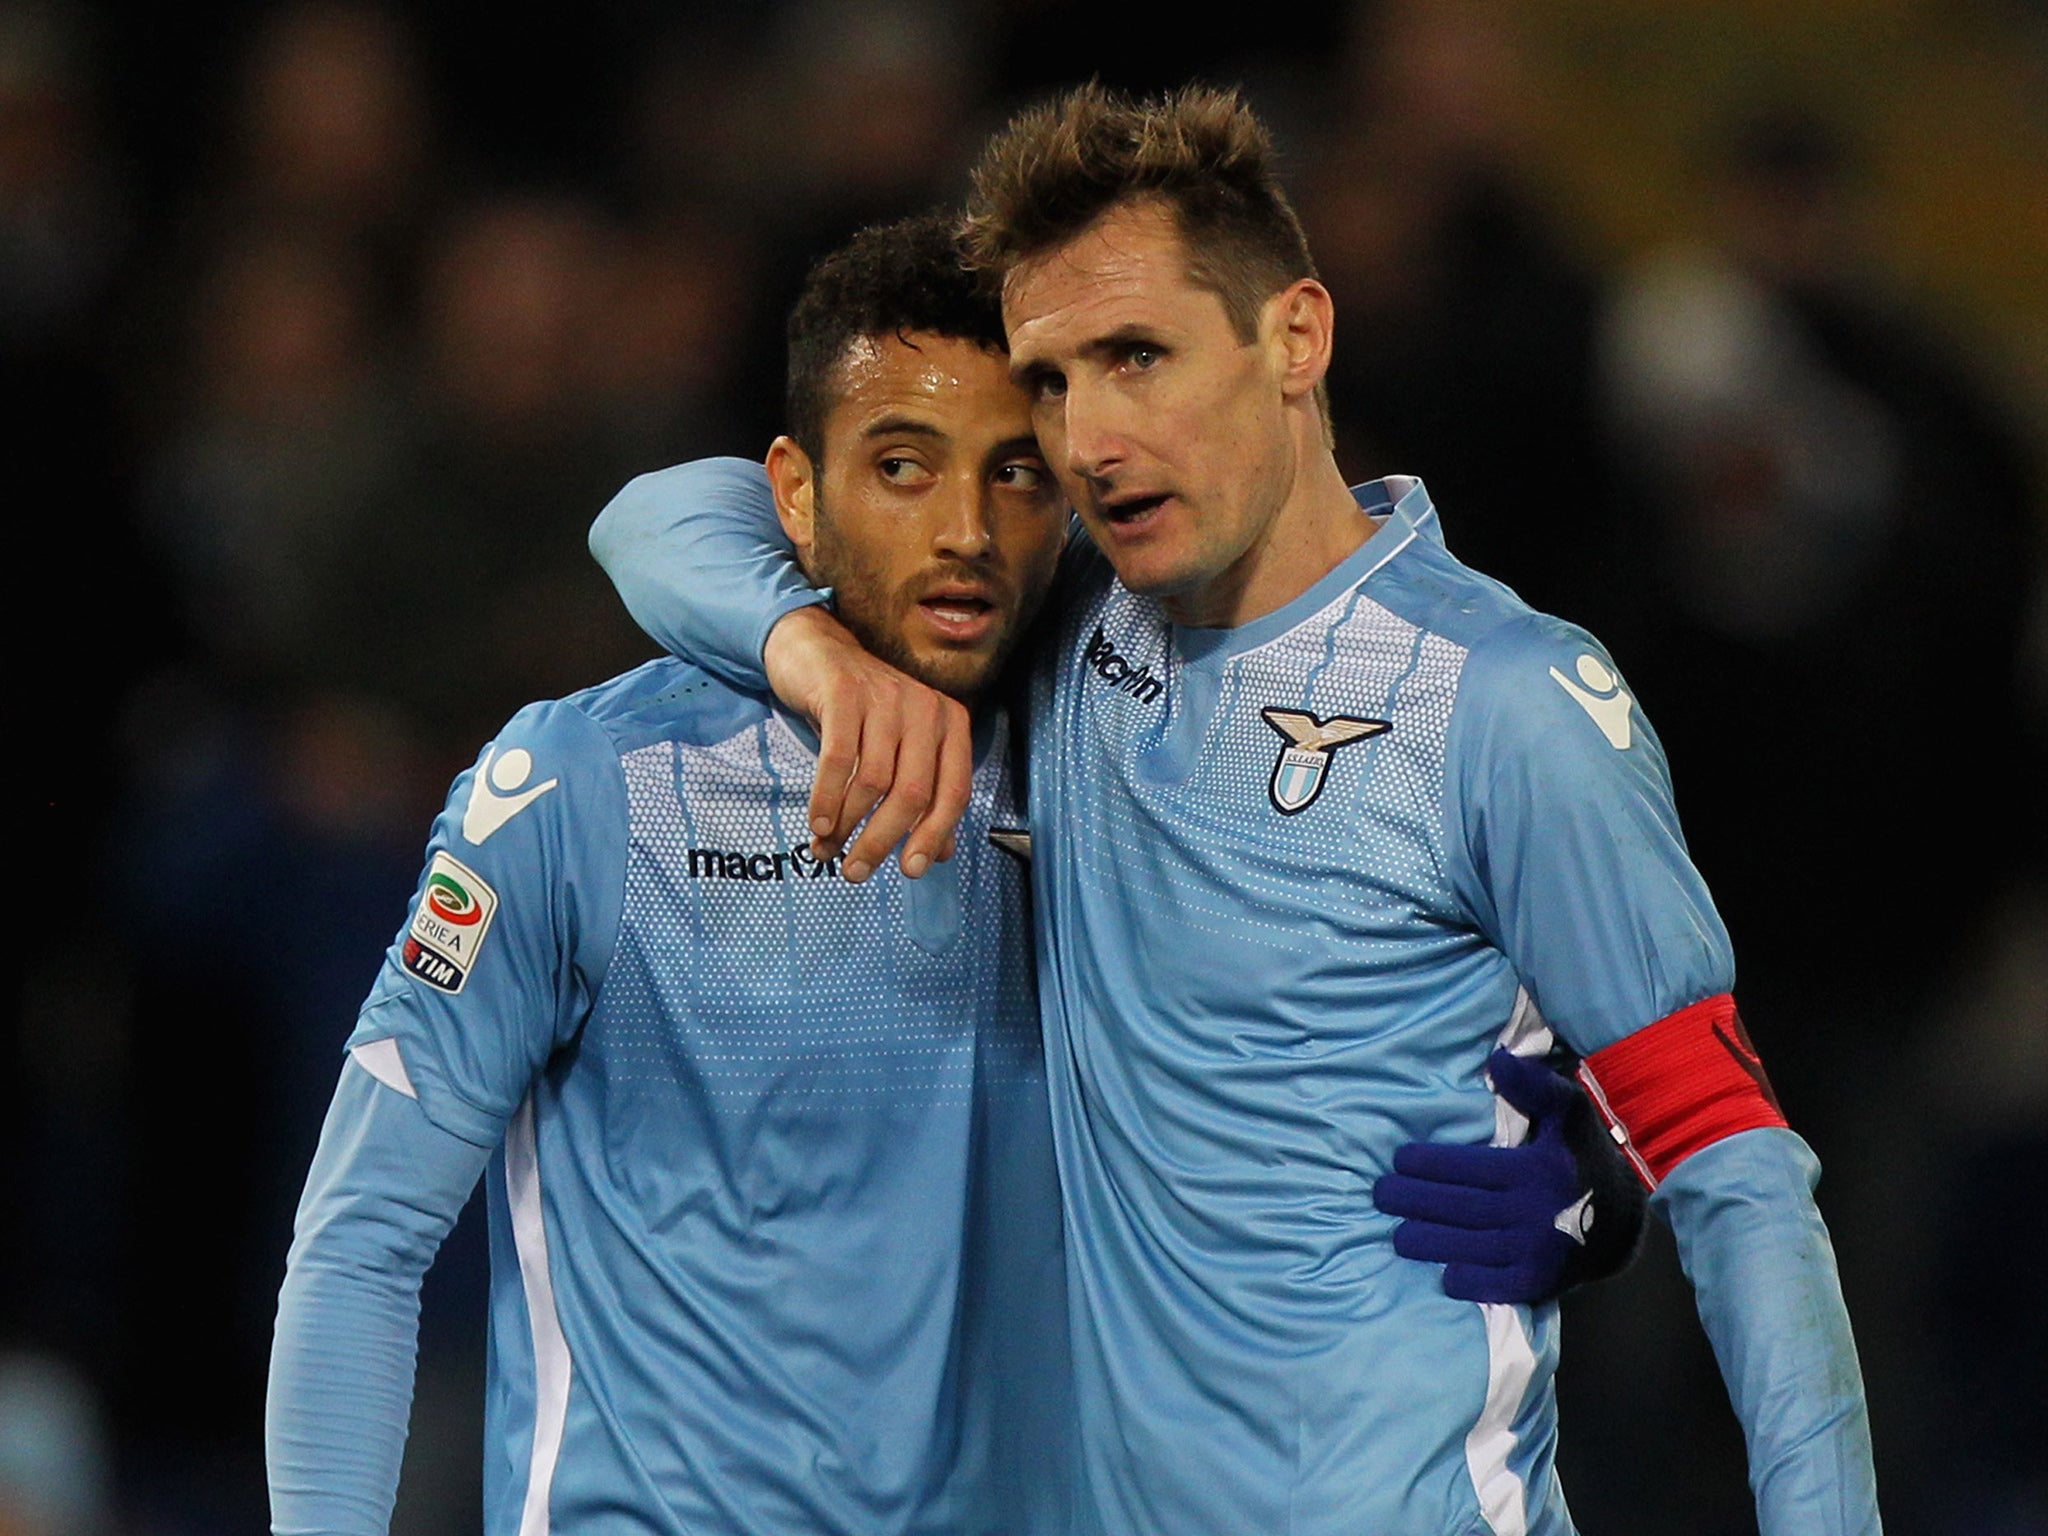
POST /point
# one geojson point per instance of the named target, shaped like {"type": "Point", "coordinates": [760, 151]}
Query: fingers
{"type": "Point", "coordinates": [931, 840]}
{"type": "Point", "coordinates": [1446, 1205]}
{"type": "Point", "coordinates": [839, 730]}
{"type": "Point", "coordinates": [1529, 1085]}
{"type": "Point", "coordinates": [1525, 1281]}
{"type": "Point", "coordinates": [817, 668]}
{"type": "Point", "coordinates": [1435, 1244]}
{"type": "Point", "coordinates": [877, 772]}
{"type": "Point", "coordinates": [894, 782]}
{"type": "Point", "coordinates": [916, 771]}
{"type": "Point", "coordinates": [1450, 1163]}
{"type": "Point", "coordinates": [895, 758]}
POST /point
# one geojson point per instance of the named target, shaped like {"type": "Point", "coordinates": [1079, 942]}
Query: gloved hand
{"type": "Point", "coordinates": [1525, 1223]}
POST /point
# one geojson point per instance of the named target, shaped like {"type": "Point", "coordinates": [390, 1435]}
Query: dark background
{"type": "Point", "coordinates": [325, 329]}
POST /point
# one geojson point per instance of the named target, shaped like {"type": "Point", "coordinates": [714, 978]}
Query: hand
{"type": "Point", "coordinates": [887, 744]}
{"type": "Point", "coordinates": [1506, 1222]}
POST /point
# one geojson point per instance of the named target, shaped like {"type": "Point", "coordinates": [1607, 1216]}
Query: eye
{"type": "Point", "coordinates": [1022, 476]}
{"type": "Point", "coordinates": [1142, 357]}
{"type": "Point", "coordinates": [902, 469]}
{"type": "Point", "coordinates": [1047, 385]}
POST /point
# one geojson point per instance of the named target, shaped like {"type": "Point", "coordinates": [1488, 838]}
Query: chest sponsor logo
{"type": "Point", "coordinates": [794, 864]}
{"type": "Point", "coordinates": [1115, 669]}
{"type": "Point", "coordinates": [495, 796]}
{"type": "Point", "coordinates": [1602, 697]}
{"type": "Point", "coordinates": [449, 927]}
{"type": "Point", "coordinates": [1303, 766]}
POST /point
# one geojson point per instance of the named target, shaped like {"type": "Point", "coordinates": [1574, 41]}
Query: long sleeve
{"type": "Point", "coordinates": [701, 562]}
{"type": "Point", "coordinates": [1763, 1275]}
{"type": "Point", "coordinates": [1573, 858]}
{"type": "Point", "coordinates": [385, 1187]}
{"type": "Point", "coordinates": [507, 941]}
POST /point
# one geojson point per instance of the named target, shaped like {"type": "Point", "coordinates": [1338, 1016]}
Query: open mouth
{"type": "Point", "coordinates": [959, 615]}
{"type": "Point", "coordinates": [1133, 509]}
{"type": "Point", "coordinates": [961, 608]}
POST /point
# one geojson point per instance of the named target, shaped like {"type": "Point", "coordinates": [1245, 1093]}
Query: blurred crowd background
{"type": "Point", "coordinates": [326, 328]}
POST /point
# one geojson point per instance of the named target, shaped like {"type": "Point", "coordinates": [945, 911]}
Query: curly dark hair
{"type": "Point", "coordinates": [1059, 166]}
{"type": "Point", "coordinates": [889, 280]}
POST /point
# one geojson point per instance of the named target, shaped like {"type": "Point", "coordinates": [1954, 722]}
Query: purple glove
{"type": "Point", "coordinates": [1516, 1224]}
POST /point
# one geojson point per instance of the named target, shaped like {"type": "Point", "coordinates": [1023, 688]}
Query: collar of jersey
{"type": "Point", "coordinates": [1405, 514]}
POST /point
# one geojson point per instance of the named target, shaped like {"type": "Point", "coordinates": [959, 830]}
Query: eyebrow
{"type": "Point", "coordinates": [901, 426]}
{"type": "Point", "coordinates": [1026, 375]}
{"type": "Point", "coordinates": [1031, 371]}
{"type": "Point", "coordinates": [1011, 447]}
{"type": "Point", "coordinates": [1123, 336]}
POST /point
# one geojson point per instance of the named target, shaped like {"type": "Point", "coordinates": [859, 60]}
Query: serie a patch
{"type": "Point", "coordinates": [448, 930]}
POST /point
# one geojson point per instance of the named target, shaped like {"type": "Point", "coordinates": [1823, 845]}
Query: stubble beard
{"type": "Point", "coordinates": [867, 606]}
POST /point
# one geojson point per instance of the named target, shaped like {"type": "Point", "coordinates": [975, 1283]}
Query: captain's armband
{"type": "Point", "coordinates": [1683, 1083]}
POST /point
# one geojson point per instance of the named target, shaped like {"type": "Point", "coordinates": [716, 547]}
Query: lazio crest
{"type": "Point", "coordinates": [1304, 762]}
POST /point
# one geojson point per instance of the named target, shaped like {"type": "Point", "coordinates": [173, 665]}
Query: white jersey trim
{"type": "Point", "coordinates": [1287, 634]}
{"type": "Point", "coordinates": [383, 1061]}
{"type": "Point", "coordinates": [1526, 1035]}
{"type": "Point", "coordinates": [1510, 1364]}
{"type": "Point", "coordinates": [550, 1348]}
{"type": "Point", "coordinates": [1510, 1358]}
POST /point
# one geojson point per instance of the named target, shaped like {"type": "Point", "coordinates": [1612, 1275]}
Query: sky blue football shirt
{"type": "Point", "coordinates": [775, 1228]}
{"type": "Point", "coordinates": [1295, 881]}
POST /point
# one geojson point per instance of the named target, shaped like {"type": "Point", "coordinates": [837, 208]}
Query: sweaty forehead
{"type": "Point", "coordinates": [944, 379]}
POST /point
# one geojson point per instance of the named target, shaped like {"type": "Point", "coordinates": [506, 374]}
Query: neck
{"type": "Point", "coordinates": [1316, 528]}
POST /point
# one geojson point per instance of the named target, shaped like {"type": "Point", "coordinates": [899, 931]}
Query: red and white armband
{"type": "Point", "coordinates": [1680, 1084]}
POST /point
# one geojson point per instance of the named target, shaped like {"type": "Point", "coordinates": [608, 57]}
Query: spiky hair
{"type": "Point", "coordinates": [889, 280]}
{"type": "Point", "coordinates": [1201, 151]}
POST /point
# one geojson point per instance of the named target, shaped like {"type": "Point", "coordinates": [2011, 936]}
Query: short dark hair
{"type": "Point", "coordinates": [1060, 166]}
{"type": "Point", "coordinates": [889, 280]}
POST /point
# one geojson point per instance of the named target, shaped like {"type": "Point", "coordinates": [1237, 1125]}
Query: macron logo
{"type": "Point", "coordinates": [1117, 671]}
{"type": "Point", "coordinates": [495, 797]}
{"type": "Point", "coordinates": [1608, 703]}
{"type": "Point", "coordinates": [1575, 1221]}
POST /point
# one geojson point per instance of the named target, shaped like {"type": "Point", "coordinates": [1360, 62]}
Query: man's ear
{"type": "Point", "coordinates": [794, 480]}
{"type": "Point", "coordinates": [1300, 323]}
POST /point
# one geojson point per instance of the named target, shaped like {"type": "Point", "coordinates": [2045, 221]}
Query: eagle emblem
{"type": "Point", "coordinates": [1304, 761]}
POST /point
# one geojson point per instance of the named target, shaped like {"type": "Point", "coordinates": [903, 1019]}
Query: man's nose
{"type": "Point", "coordinates": [961, 529]}
{"type": "Point", "coordinates": [1095, 442]}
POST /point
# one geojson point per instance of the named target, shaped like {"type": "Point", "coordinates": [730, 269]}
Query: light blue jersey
{"type": "Point", "coordinates": [1301, 878]}
{"type": "Point", "coordinates": [1295, 881]}
{"type": "Point", "coordinates": [774, 1224]}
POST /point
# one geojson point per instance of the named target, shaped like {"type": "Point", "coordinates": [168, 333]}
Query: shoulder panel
{"type": "Point", "coordinates": [511, 931]}
{"type": "Point", "coordinates": [1564, 839]}
{"type": "Point", "coordinates": [669, 699]}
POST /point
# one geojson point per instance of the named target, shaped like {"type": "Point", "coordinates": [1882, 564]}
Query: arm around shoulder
{"type": "Point", "coordinates": [700, 560]}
